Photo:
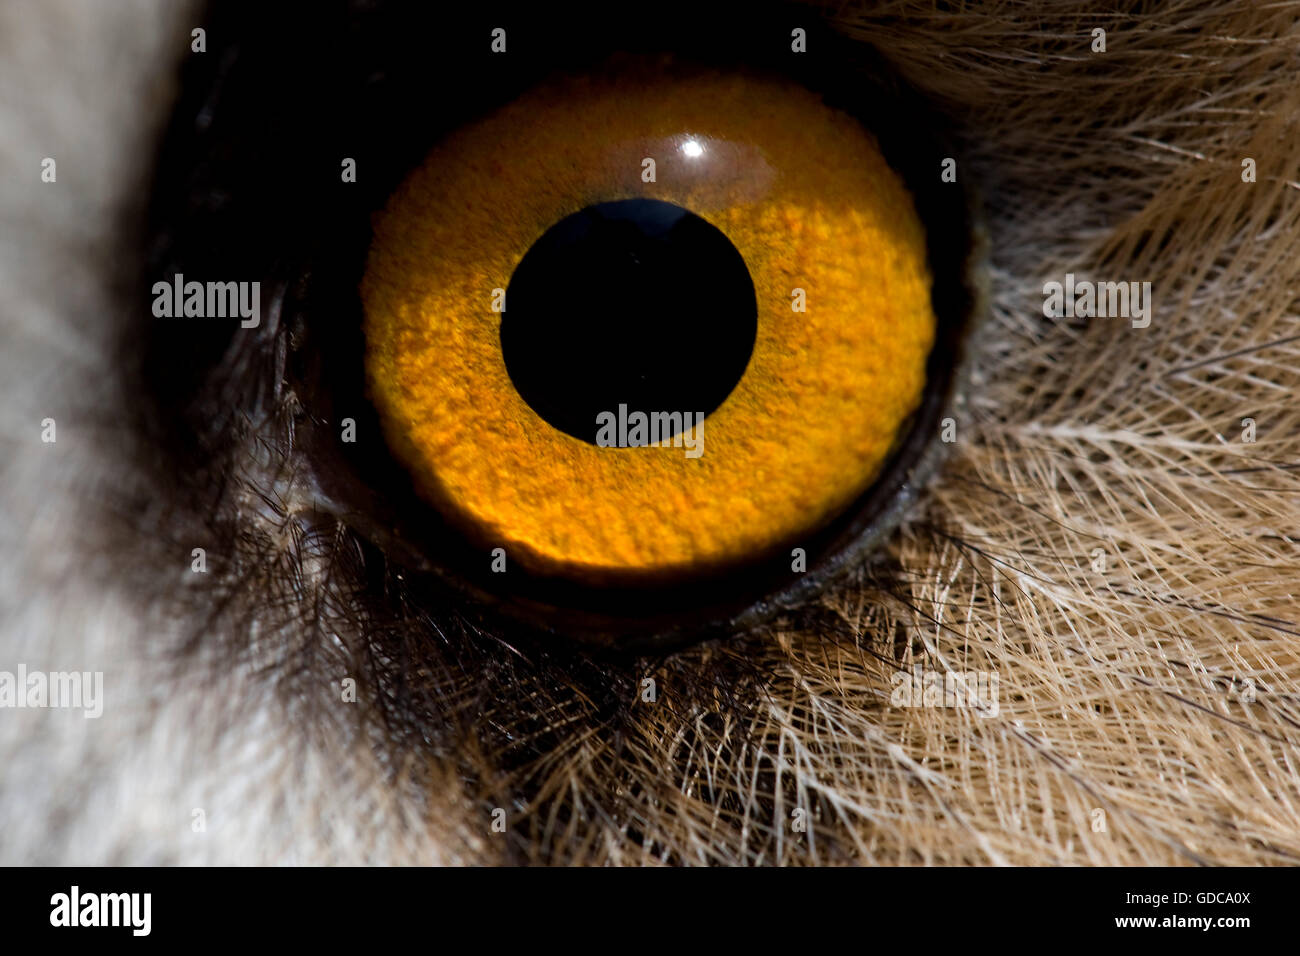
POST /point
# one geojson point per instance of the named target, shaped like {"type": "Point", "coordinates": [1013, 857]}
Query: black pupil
{"type": "Point", "coordinates": [638, 303]}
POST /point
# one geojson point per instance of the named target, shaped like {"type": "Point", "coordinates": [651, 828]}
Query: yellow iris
{"type": "Point", "coordinates": [802, 192]}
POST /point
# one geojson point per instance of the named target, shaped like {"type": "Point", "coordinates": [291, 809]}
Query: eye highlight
{"type": "Point", "coordinates": [836, 261]}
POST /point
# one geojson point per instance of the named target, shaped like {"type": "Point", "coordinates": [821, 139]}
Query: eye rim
{"type": "Point", "coordinates": [312, 293]}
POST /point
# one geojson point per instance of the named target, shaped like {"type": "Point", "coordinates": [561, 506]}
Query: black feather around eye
{"type": "Point", "coordinates": [314, 579]}
{"type": "Point", "coordinates": [248, 187]}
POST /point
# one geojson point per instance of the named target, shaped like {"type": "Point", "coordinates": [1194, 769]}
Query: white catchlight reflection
{"type": "Point", "coordinates": [692, 148]}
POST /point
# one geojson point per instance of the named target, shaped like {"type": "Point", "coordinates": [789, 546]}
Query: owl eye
{"type": "Point", "coordinates": [652, 325]}
{"type": "Point", "coordinates": [648, 327]}
{"type": "Point", "coordinates": [651, 340]}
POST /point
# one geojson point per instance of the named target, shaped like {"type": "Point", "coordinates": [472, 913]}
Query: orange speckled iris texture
{"type": "Point", "coordinates": [803, 193]}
